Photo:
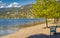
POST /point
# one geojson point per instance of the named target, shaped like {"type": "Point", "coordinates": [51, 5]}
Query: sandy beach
{"type": "Point", "coordinates": [25, 32]}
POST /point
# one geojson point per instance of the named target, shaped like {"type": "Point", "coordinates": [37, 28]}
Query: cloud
{"type": "Point", "coordinates": [14, 4]}
{"type": "Point", "coordinates": [2, 5]}
{"type": "Point", "coordinates": [0, 1]}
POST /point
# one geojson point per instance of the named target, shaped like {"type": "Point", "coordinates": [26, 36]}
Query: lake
{"type": "Point", "coordinates": [6, 24]}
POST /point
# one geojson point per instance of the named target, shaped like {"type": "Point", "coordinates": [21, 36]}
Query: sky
{"type": "Point", "coordinates": [14, 3]}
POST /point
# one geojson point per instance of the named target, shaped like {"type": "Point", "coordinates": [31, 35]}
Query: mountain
{"type": "Point", "coordinates": [25, 10]}
{"type": "Point", "coordinates": [15, 12]}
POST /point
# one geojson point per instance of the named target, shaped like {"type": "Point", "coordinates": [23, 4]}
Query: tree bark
{"type": "Point", "coordinates": [54, 20]}
{"type": "Point", "coordinates": [46, 22]}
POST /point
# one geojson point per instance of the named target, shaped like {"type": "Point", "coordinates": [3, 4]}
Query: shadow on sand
{"type": "Point", "coordinates": [45, 36]}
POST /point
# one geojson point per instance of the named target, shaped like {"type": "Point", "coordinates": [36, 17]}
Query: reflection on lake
{"type": "Point", "coordinates": [5, 30]}
{"type": "Point", "coordinates": [6, 25]}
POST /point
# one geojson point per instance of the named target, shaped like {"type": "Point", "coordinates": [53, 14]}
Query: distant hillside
{"type": "Point", "coordinates": [22, 12]}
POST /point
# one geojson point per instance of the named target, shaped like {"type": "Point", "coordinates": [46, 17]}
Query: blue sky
{"type": "Point", "coordinates": [4, 3]}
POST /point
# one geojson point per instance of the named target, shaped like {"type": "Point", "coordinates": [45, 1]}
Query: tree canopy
{"type": "Point", "coordinates": [46, 8]}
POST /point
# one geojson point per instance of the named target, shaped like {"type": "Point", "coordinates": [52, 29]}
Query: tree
{"type": "Point", "coordinates": [39, 9]}
{"type": "Point", "coordinates": [46, 9]}
{"type": "Point", "coordinates": [55, 10]}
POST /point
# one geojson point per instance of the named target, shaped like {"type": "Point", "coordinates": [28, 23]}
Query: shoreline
{"type": "Point", "coordinates": [28, 31]}
{"type": "Point", "coordinates": [26, 26]}
{"type": "Point", "coordinates": [20, 27]}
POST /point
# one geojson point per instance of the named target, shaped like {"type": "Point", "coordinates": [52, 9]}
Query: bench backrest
{"type": "Point", "coordinates": [53, 29]}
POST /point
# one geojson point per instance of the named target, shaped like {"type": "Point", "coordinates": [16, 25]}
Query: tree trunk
{"type": "Point", "coordinates": [54, 20]}
{"type": "Point", "coordinates": [46, 22]}
{"type": "Point", "coordinates": [57, 21]}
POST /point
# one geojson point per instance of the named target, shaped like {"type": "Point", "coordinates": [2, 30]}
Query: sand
{"type": "Point", "coordinates": [25, 32]}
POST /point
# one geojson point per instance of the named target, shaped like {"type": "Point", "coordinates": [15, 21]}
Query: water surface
{"type": "Point", "coordinates": [6, 25]}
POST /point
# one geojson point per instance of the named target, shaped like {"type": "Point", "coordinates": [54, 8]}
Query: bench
{"type": "Point", "coordinates": [52, 30]}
